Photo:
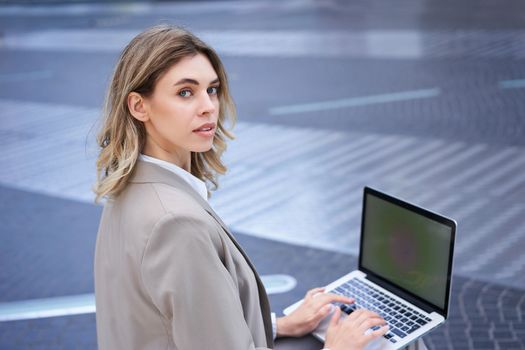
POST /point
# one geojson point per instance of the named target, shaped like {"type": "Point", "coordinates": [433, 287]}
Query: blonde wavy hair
{"type": "Point", "coordinates": [122, 137]}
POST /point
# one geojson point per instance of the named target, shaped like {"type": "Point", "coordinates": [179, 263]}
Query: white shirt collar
{"type": "Point", "coordinates": [197, 184]}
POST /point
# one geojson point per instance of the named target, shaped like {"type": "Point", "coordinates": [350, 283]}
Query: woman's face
{"type": "Point", "coordinates": [183, 110]}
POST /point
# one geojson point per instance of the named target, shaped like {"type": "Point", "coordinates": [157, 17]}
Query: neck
{"type": "Point", "coordinates": [180, 159]}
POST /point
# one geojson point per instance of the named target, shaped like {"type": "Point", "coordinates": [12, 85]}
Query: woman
{"type": "Point", "coordinates": [168, 273]}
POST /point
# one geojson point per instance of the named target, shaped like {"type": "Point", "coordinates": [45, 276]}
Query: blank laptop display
{"type": "Point", "coordinates": [405, 248]}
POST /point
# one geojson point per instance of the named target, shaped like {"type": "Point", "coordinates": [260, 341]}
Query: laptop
{"type": "Point", "coordinates": [404, 270]}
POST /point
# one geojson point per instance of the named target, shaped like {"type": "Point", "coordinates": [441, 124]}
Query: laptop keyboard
{"type": "Point", "coordinates": [401, 318]}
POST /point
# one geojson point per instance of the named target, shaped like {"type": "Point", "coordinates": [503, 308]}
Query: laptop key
{"type": "Point", "coordinates": [414, 328]}
{"type": "Point", "coordinates": [398, 333]}
{"type": "Point", "coordinates": [347, 309]}
{"type": "Point", "coordinates": [421, 322]}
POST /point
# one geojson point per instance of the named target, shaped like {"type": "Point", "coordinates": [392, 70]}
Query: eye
{"type": "Point", "coordinates": [213, 90]}
{"type": "Point", "coordinates": [185, 93]}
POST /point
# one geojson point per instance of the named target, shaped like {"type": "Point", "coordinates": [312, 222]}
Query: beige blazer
{"type": "Point", "coordinates": [169, 274]}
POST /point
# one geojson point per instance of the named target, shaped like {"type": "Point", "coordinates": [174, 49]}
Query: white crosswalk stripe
{"type": "Point", "coordinates": [325, 160]}
{"type": "Point", "coordinates": [513, 268]}
{"type": "Point", "coordinates": [495, 176]}
{"type": "Point", "coordinates": [430, 161]}
{"type": "Point", "coordinates": [361, 153]}
{"type": "Point", "coordinates": [447, 165]}
{"type": "Point", "coordinates": [411, 156]}
{"type": "Point", "coordinates": [512, 184]}
{"type": "Point", "coordinates": [382, 155]}
{"type": "Point", "coordinates": [494, 224]}
{"type": "Point", "coordinates": [505, 240]}
{"type": "Point", "coordinates": [484, 166]}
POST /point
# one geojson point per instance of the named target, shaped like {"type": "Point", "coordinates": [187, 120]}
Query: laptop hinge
{"type": "Point", "coordinates": [400, 293]}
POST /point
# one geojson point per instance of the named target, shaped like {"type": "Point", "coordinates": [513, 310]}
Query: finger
{"type": "Point", "coordinates": [340, 298]}
{"type": "Point", "coordinates": [325, 310]}
{"type": "Point", "coordinates": [350, 319]}
{"type": "Point", "coordinates": [369, 323]}
{"type": "Point", "coordinates": [364, 313]}
{"type": "Point", "coordinates": [313, 292]}
{"type": "Point", "coordinates": [372, 316]}
{"type": "Point", "coordinates": [370, 312]}
{"type": "Point", "coordinates": [357, 317]}
{"type": "Point", "coordinates": [378, 333]}
{"type": "Point", "coordinates": [361, 316]}
{"type": "Point", "coordinates": [335, 318]}
{"type": "Point", "coordinates": [327, 298]}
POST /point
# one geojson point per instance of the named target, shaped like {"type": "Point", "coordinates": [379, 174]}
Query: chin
{"type": "Point", "coordinates": [202, 148]}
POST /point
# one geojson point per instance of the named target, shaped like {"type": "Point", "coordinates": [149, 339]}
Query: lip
{"type": "Point", "coordinates": [205, 126]}
{"type": "Point", "coordinates": [206, 130]}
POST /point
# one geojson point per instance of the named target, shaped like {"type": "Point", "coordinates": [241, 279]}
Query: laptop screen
{"type": "Point", "coordinates": [407, 246]}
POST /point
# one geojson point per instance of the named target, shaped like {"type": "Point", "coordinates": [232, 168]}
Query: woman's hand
{"type": "Point", "coordinates": [349, 334]}
{"type": "Point", "coordinates": [315, 307]}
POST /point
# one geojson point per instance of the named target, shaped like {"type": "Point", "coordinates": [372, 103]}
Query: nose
{"type": "Point", "coordinates": [207, 105]}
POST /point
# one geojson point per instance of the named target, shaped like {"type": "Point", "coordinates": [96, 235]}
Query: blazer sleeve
{"type": "Point", "coordinates": [192, 289]}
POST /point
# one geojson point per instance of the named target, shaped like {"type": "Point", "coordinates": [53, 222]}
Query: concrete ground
{"type": "Point", "coordinates": [423, 99]}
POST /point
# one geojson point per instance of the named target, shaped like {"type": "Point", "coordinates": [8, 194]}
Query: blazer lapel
{"type": "Point", "coordinates": [151, 173]}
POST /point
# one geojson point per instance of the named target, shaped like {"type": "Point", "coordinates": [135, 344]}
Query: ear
{"type": "Point", "coordinates": [137, 106]}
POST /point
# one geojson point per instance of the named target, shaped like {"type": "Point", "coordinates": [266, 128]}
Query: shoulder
{"type": "Point", "coordinates": [153, 202]}
{"type": "Point", "coordinates": [142, 208]}
{"type": "Point", "coordinates": [170, 213]}
{"type": "Point", "coordinates": [184, 229]}
{"type": "Point", "coordinates": [178, 201]}
{"type": "Point", "coordinates": [187, 237]}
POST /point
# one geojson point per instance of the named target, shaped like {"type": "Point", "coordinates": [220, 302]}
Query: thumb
{"type": "Point", "coordinates": [325, 310]}
{"type": "Point", "coordinates": [335, 318]}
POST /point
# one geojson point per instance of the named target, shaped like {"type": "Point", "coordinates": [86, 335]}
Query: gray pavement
{"type": "Point", "coordinates": [423, 99]}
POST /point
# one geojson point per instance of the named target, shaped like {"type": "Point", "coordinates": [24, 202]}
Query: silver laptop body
{"type": "Point", "coordinates": [404, 269]}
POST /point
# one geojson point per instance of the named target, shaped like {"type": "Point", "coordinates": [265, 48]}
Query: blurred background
{"type": "Point", "coordinates": [422, 99]}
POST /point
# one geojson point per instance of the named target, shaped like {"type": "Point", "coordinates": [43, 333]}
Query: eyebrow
{"type": "Point", "coordinates": [193, 81]}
